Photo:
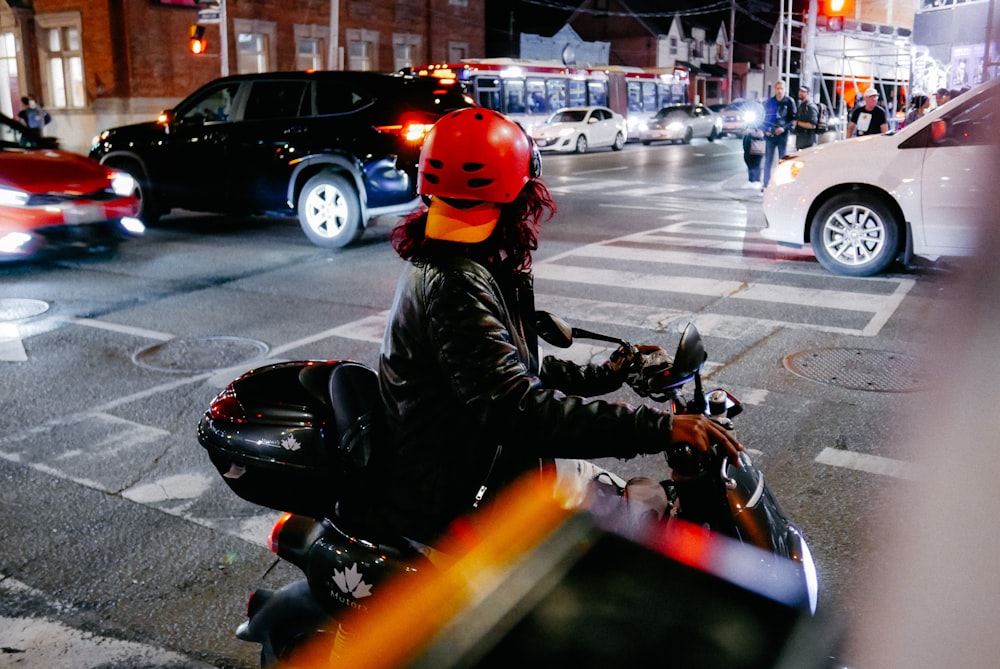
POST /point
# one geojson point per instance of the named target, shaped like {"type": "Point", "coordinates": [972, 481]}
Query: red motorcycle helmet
{"type": "Point", "coordinates": [476, 154]}
{"type": "Point", "coordinates": [472, 161]}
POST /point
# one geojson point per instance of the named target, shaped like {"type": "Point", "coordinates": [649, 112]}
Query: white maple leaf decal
{"type": "Point", "coordinates": [350, 581]}
{"type": "Point", "coordinates": [289, 443]}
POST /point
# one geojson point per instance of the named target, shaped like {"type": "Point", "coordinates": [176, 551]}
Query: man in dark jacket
{"type": "Point", "coordinates": [779, 118]}
{"type": "Point", "coordinates": [806, 118]}
{"type": "Point", "coordinates": [469, 405]}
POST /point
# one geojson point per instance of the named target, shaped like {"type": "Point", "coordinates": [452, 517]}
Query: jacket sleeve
{"type": "Point", "coordinates": [484, 361]}
{"type": "Point", "coordinates": [573, 379]}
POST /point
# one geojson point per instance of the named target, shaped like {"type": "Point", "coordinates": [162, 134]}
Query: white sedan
{"type": "Point", "coordinates": [581, 128]}
{"type": "Point", "coordinates": [925, 190]}
{"type": "Point", "coordinates": [681, 123]}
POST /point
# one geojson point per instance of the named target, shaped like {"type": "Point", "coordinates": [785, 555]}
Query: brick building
{"type": "Point", "coordinates": [100, 63]}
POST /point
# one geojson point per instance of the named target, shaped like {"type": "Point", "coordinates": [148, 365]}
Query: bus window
{"type": "Point", "coordinates": [513, 97]}
{"type": "Point", "coordinates": [577, 93]}
{"type": "Point", "coordinates": [556, 94]}
{"type": "Point", "coordinates": [534, 90]}
{"type": "Point", "coordinates": [487, 92]}
{"type": "Point", "coordinates": [597, 93]}
{"type": "Point", "coordinates": [665, 97]}
{"type": "Point", "coordinates": [649, 100]}
{"type": "Point", "coordinates": [634, 96]}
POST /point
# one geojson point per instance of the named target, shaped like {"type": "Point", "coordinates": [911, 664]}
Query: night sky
{"type": "Point", "coordinates": [506, 19]}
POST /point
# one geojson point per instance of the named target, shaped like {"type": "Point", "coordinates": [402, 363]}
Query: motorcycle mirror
{"type": "Point", "coordinates": [690, 354]}
{"type": "Point", "coordinates": [553, 329]}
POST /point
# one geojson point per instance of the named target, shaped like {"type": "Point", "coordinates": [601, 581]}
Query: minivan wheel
{"type": "Point", "coordinates": [330, 211]}
{"type": "Point", "coordinates": [855, 234]}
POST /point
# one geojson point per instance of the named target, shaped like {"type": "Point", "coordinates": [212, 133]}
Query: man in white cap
{"type": "Point", "coordinates": [869, 118]}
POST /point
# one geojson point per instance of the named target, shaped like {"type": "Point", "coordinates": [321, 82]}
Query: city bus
{"type": "Point", "coordinates": [528, 92]}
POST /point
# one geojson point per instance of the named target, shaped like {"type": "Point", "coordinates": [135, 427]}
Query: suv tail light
{"type": "Point", "coordinates": [411, 129]}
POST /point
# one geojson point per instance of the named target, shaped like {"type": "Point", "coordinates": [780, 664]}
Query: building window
{"type": "Point", "coordinates": [362, 47]}
{"type": "Point", "coordinates": [252, 53]}
{"type": "Point", "coordinates": [458, 3]}
{"type": "Point", "coordinates": [404, 50]}
{"type": "Point", "coordinates": [8, 65]}
{"type": "Point", "coordinates": [673, 46]}
{"type": "Point", "coordinates": [255, 42]}
{"type": "Point", "coordinates": [308, 53]}
{"type": "Point", "coordinates": [61, 53]}
{"type": "Point", "coordinates": [457, 51]}
{"type": "Point", "coordinates": [310, 46]}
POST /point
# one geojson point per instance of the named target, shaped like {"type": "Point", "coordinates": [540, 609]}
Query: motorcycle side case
{"type": "Point", "coordinates": [273, 436]}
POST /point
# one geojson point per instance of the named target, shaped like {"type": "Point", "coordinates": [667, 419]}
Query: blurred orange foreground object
{"type": "Point", "coordinates": [411, 611]}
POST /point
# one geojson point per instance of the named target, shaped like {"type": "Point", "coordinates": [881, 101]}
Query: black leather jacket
{"type": "Point", "coordinates": [468, 404]}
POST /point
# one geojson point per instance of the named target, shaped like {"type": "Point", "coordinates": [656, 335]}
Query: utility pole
{"type": "Point", "coordinates": [810, 47]}
{"type": "Point", "coordinates": [732, 45]}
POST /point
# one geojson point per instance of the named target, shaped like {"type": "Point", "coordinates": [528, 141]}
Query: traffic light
{"type": "Point", "coordinates": [198, 42]}
{"type": "Point", "coordinates": [834, 12]}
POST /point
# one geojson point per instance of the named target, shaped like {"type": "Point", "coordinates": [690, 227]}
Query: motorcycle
{"type": "Point", "coordinates": [297, 437]}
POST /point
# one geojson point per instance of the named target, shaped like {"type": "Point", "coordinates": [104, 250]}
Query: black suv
{"type": "Point", "coordinates": [336, 148]}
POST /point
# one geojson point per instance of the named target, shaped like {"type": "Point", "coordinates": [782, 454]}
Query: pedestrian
{"type": "Point", "coordinates": [32, 115]}
{"type": "Point", "coordinates": [918, 107]}
{"type": "Point", "coordinates": [869, 118]}
{"type": "Point", "coordinates": [779, 118]}
{"type": "Point", "coordinates": [470, 406]}
{"type": "Point", "coordinates": [941, 96]}
{"type": "Point", "coordinates": [806, 120]}
{"type": "Point", "coordinates": [753, 143]}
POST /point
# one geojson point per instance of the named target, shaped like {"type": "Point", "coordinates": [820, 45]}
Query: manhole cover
{"type": "Point", "coordinates": [858, 369]}
{"type": "Point", "coordinates": [200, 354]}
{"type": "Point", "coordinates": [16, 308]}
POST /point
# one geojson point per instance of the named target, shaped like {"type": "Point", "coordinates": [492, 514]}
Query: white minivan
{"type": "Point", "coordinates": [925, 190]}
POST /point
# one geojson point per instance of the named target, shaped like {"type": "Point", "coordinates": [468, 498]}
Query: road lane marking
{"type": "Point", "coordinates": [123, 329]}
{"type": "Point", "coordinates": [873, 464]}
{"type": "Point", "coordinates": [11, 346]}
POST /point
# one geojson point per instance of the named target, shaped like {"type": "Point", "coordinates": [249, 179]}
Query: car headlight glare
{"type": "Point", "coordinates": [10, 197]}
{"type": "Point", "coordinates": [121, 183]}
{"type": "Point", "coordinates": [787, 171]}
{"type": "Point", "coordinates": [675, 125]}
{"type": "Point", "coordinates": [566, 131]}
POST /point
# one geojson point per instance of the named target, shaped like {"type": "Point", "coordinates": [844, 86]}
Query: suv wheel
{"type": "Point", "coordinates": [330, 211]}
{"type": "Point", "coordinates": [149, 210]}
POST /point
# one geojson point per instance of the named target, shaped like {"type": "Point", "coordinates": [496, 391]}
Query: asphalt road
{"type": "Point", "coordinates": [117, 525]}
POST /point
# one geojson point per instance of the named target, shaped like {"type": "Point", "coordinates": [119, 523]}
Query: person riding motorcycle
{"type": "Point", "coordinates": [469, 406]}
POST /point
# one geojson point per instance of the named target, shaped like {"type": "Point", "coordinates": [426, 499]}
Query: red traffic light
{"type": "Point", "coordinates": [833, 13]}
{"type": "Point", "coordinates": [198, 43]}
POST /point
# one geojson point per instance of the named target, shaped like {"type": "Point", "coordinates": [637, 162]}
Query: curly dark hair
{"type": "Point", "coordinates": [511, 243]}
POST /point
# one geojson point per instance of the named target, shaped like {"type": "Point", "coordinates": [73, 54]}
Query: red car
{"type": "Point", "coordinates": [53, 201]}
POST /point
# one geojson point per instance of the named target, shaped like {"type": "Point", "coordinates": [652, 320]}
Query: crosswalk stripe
{"type": "Point", "coordinates": [733, 289]}
{"type": "Point", "coordinates": [873, 464]}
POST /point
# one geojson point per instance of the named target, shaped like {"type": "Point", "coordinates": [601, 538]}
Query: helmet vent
{"type": "Point", "coordinates": [435, 163]}
{"type": "Point", "coordinates": [479, 183]}
{"type": "Point", "coordinates": [472, 167]}
{"type": "Point", "coordinates": [432, 178]}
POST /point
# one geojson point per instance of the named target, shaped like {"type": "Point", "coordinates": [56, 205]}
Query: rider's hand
{"type": "Point", "coordinates": [702, 434]}
{"type": "Point", "coordinates": [626, 361]}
